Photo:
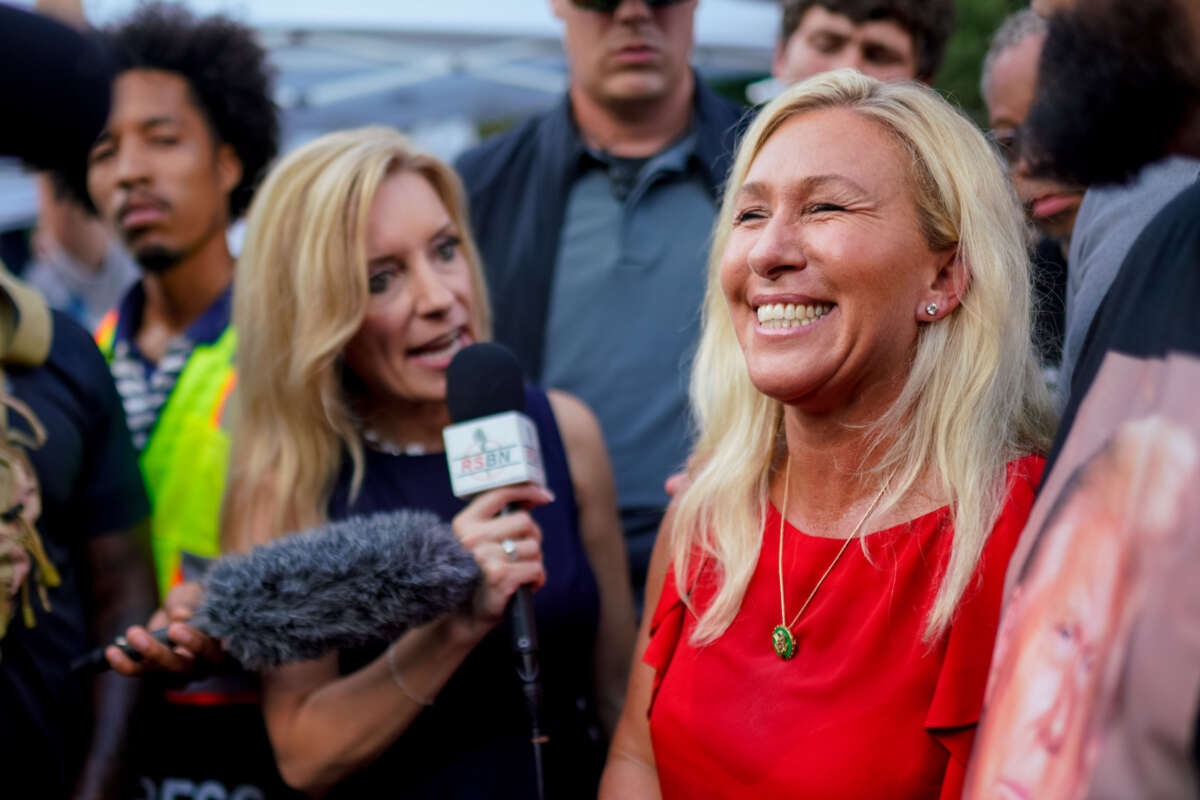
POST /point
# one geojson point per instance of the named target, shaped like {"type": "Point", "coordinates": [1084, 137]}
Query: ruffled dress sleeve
{"type": "Point", "coordinates": [666, 628]}
{"type": "Point", "coordinates": [958, 697]}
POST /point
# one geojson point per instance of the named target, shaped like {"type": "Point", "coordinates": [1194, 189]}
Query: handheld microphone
{"type": "Point", "coordinates": [337, 586]}
{"type": "Point", "coordinates": [493, 444]}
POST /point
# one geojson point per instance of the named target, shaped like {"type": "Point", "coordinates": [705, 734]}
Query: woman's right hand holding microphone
{"type": "Point", "coordinates": [507, 547]}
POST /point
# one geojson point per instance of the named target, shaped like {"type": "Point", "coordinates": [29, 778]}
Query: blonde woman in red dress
{"type": "Point", "coordinates": [827, 589]}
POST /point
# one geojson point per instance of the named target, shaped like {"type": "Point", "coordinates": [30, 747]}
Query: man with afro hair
{"type": "Point", "coordinates": [191, 130]}
{"type": "Point", "coordinates": [886, 39]}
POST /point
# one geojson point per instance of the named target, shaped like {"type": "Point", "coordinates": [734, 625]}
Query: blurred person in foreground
{"type": "Point", "coordinates": [1109, 221]}
{"type": "Point", "coordinates": [1007, 85]}
{"type": "Point", "coordinates": [593, 220]}
{"type": "Point", "coordinates": [191, 129]}
{"type": "Point", "coordinates": [75, 565]}
{"type": "Point", "coordinates": [1067, 630]}
{"type": "Point", "coordinates": [871, 417]}
{"type": "Point", "coordinates": [1130, 71]}
{"type": "Point", "coordinates": [1116, 207]}
{"type": "Point", "coordinates": [358, 283]}
{"type": "Point", "coordinates": [885, 39]}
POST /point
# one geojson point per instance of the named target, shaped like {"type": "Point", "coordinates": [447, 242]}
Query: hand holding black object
{"type": "Point", "coordinates": [483, 530]}
{"type": "Point", "coordinates": [485, 379]}
{"type": "Point", "coordinates": [175, 652]}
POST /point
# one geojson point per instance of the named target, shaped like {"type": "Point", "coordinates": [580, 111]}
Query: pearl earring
{"type": "Point", "coordinates": [931, 309]}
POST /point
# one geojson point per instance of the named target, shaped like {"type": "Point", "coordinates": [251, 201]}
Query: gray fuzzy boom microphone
{"type": "Point", "coordinates": [340, 585]}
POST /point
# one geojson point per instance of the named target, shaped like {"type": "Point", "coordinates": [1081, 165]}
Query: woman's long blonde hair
{"type": "Point", "coordinates": [974, 398]}
{"type": "Point", "coordinates": [300, 295]}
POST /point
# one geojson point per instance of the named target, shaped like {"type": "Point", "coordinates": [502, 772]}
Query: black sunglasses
{"type": "Point", "coordinates": [609, 6]}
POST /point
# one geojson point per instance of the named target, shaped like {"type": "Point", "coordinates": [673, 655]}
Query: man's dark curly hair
{"type": "Point", "coordinates": [227, 71]}
{"type": "Point", "coordinates": [929, 22]}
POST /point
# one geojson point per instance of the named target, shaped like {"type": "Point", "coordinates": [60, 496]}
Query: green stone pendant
{"type": "Point", "coordinates": [784, 643]}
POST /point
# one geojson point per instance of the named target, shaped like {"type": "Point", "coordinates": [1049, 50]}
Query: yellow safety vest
{"type": "Point", "coordinates": [186, 457]}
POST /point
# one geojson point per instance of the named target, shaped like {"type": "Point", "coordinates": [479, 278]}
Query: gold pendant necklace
{"type": "Point", "coordinates": [781, 636]}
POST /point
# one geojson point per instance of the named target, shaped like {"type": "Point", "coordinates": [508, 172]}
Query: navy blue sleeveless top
{"type": "Point", "coordinates": [473, 742]}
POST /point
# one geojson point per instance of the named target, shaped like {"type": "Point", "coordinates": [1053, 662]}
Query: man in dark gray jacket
{"type": "Point", "coordinates": [593, 221]}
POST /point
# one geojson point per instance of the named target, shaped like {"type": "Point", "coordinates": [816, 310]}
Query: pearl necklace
{"type": "Point", "coordinates": [377, 442]}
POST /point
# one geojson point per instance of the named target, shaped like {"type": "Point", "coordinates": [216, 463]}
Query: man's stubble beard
{"type": "Point", "coordinates": [1113, 94]}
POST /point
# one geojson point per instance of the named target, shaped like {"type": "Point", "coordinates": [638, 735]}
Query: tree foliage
{"type": "Point", "coordinates": [958, 78]}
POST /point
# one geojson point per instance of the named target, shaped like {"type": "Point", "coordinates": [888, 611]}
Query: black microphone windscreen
{"type": "Point", "coordinates": [483, 379]}
{"type": "Point", "coordinates": [342, 585]}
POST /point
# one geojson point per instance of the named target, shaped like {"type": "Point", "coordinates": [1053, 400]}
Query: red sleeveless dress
{"type": "Point", "coordinates": [864, 709]}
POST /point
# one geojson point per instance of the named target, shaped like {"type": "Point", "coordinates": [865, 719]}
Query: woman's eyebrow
{"type": "Point", "coordinates": [446, 230]}
{"type": "Point", "coordinates": [379, 261]}
{"type": "Point", "coordinates": [755, 190]}
{"type": "Point", "coordinates": [814, 182]}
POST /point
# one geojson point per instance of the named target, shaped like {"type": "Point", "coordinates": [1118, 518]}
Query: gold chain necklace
{"type": "Point", "coordinates": [781, 637]}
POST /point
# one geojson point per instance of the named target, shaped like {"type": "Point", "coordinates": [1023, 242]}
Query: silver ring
{"type": "Point", "coordinates": [510, 549]}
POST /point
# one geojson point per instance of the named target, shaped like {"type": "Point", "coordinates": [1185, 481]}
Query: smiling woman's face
{"type": "Point", "coordinates": [419, 311]}
{"type": "Point", "coordinates": [825, 235]}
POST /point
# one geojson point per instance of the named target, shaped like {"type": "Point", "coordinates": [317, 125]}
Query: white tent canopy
{"type": "Point", "coordinates": [414, 41]}
{"type": "Point", "coordinates": [432, 68]}
{"type": "Point", "coordinates": [746, 24]}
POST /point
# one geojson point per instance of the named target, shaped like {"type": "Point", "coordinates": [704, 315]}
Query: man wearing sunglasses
{"type": "Point", "coordinates": [593, 221]}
